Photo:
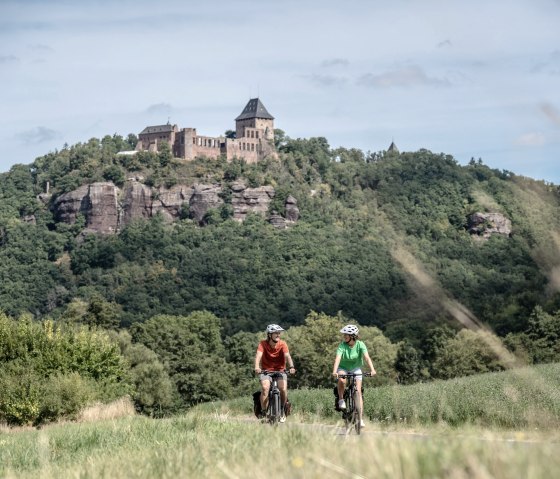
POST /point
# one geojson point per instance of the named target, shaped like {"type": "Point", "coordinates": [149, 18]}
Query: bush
{"type": "Point", "coordinates": [64, 395]}
{"type": "Point", "coordinates": [48, 372]}
{"type": "Point", "coordinates": [19, 394]}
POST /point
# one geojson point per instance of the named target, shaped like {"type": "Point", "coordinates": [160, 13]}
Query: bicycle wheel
{"type": "Point", "coordinates": [348, 414]}
{"type": "Point", "coordinates": [275, 409]}
{"type": "Point", "coordinates": [356, 416]}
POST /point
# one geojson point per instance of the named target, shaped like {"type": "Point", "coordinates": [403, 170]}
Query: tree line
{"type": "Point", "coordinates": [339, 258]}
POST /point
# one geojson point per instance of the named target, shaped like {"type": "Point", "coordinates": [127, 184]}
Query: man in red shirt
{"type": "Point", "coordinates": [272, 355]}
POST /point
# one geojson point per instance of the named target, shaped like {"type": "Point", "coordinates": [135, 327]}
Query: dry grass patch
{"type": "Point", "coordinates": [122, 407]}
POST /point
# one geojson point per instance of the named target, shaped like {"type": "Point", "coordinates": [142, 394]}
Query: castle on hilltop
{"type": "Point", "coordinates": [254, 138]}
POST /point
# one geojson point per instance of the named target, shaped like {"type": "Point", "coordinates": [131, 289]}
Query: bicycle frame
{"type": "Point", "coordinates": [274, 411]}
{"type": "Point", "coordinates": [352, 414]}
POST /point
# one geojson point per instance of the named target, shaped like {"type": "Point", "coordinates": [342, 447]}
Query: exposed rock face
{"type": "Point", "coordinates": [292, 211]}
{"type": "Point", "coordinates": [69, 205]}
{"type": "Point", "coordinates": [137, 202]}
{"type": "Point", "coordinates": [97, 202]}
{"type": "Point", "coordinates": [202, 199]}
{"type": "Point", "coordinates": [486, 224]}
{"type": "Point", "coordinates": [107, 209]}
{"type": "Point", "coordinates": [102, 213]}
{"type": "Point", "coordinates": [169, 202]}
{"type": "Point", "coordinates": [278, 221]}
{"type": "Point", "coordinates": [245, 200]}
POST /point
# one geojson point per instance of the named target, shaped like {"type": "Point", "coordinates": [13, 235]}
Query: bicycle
{"type": "Point", "coordinates": [352, 413]}
{"type": "Point", "coordinates": [274, 411]}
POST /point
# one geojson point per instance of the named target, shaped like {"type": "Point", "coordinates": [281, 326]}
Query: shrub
{"type": "Point", "coordinates": [64, 395]}
{"type": "Point", "coordinates": [48, 372]}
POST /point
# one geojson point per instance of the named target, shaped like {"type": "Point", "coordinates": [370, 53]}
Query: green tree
{"type": "Point", "coordinates": [408, 364]}
{"type": "Point", "coordinates": [192, 350]}
{"type": "Point", "coordinates": [469, 352]}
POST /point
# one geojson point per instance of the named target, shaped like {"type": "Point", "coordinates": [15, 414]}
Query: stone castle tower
{"type": "Point", "coordinates": [254, 138]}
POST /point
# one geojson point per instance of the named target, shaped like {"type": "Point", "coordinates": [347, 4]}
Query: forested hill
{"type": "Point", "coordinates": [367, 223]}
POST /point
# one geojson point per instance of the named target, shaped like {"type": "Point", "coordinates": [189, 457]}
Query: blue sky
{"type": "Point", "coordinates": [471, 79]}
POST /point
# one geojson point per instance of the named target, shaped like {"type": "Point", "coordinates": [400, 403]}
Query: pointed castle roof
{"type": "Point", "coordinates": [254, 109]}
{"type": "Point", "coordinates": [393, 148]}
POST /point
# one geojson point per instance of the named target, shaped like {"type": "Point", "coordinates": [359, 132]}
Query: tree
{"type": "Point", "coordinates": [408, 364]}
{"type": "Point", "coordinates": [191, 348]}
{"type": "Point", "coordinates": [154, 393]}
{"type": "Point", "coordinates": [469, 352]}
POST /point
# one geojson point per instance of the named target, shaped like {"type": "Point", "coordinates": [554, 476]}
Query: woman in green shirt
{"type": "Point", "coordinates": [350, 357]}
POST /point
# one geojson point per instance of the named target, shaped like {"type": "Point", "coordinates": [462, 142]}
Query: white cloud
{"type": "Point", "coordinates": [531, 139]}
{"type": "Point", "coordinates": [326, 80]}
{"type": "Point", "coordinates": [159, 109]}
{"type": "Point", "coordinates": [39, 134]}
{"type": "Point", "coordinates": [335, 62]}
{"type": "Point", "coordinates": [401, 77]}
{"type": "Point", "coordinates": [549, 66]}
{"type": "Point", "coordinates": [357, 75]}
{"type": "Point", "coordinates": [8, 59]}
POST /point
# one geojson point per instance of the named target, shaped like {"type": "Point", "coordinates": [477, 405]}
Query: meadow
{"type": "Point", "coordinates": [501, 425]}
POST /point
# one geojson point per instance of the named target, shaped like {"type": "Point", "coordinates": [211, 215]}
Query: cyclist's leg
{"type": "Point", "coordinates": [265, 388]}
{"type": "Point", "coordinates": [341, 384]}
{"type": "Point", "coordinates": [359, 399]}
{"type": "Point", "coordinates": [283, 386]}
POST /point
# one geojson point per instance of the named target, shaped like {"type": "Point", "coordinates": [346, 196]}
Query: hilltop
{"type": "Point", "coordinates": [486, 237]}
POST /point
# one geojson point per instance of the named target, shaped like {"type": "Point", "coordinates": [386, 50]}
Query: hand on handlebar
{"type": "Point", "coordinates": [258, 371]}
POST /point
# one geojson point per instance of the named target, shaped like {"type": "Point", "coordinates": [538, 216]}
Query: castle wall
{"type": "Point", "coordinates": [254, 141]}
{"type": "Point", "coordinates": [189, 145]}
{"type": "Point", "coordinates": [149, 141]}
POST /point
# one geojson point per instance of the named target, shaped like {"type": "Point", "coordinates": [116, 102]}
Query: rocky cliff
{"type": "Point", "coordinates": [107, 208]}
{"type": "Point", "coordinates": [487, 224]}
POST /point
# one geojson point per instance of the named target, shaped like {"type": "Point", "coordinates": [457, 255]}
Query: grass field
{"type": "Point", "coordinates": [517, 439]}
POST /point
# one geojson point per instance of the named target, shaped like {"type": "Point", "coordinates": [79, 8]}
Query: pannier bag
{"type": "Point", "coordinates": [287, 407]}
{"type": "Point", "coordinates": [257, 409]}
{"type": "Point", "coordinates": [335, 391]}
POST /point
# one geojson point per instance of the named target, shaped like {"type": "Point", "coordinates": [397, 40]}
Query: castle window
{"type": "Point", "coordinates": [252, 147]}
{"type": "Point", "coordinates": [257, 134]}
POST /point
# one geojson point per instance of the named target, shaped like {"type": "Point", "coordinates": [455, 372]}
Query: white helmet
{"type": "Point", "coordinates": [273, 328]}
{"type": "Point", "coordinates": [350, 329]}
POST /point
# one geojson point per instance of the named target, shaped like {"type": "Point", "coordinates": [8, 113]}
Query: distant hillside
{"type": "Point", "coordinates": [370, 228]}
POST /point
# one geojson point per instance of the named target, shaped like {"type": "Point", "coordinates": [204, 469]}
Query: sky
{"type": "Point", "coordinates": [477, 79]}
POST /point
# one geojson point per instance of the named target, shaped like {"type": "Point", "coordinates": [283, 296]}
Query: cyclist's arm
{"type": "Point", "coordinates": [336, 363]}
{"type": "Point", "coordinates": [370, 364]}
{"type": "Point", "coordinates": [290, 362]}
{"type": "Point", "coordinates": [258, 358]}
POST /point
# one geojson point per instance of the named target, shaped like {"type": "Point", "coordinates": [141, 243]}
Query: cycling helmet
{"type": "Point", "coordinates": [273, 328]}
{"type": "Point", "coordinates": [350, 329]}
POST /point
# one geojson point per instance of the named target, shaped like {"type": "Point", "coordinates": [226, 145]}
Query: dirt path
{"type": "Point", "coordinates": [339, 430]}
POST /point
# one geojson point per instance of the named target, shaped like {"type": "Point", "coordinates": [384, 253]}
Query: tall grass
{"type": "Point", "coordinates": [212, 446]}
{"type": "Point", "coordinates": [215, 441]}
{"type": "Point", "coordinates": [515, 399]}
{"type": "Point", "coordinates": [209, 446]}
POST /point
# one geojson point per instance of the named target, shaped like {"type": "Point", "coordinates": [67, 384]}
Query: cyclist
{"type": "Point", "coordinates": [349, 358]}
{"type": "Point", "coordinates": [272, 355]}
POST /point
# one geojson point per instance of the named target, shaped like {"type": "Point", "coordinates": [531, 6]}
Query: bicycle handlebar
{"type": "Point", "coordinates": [351, 375]}
{"type": "Point", "coordinates": [274, 373]}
